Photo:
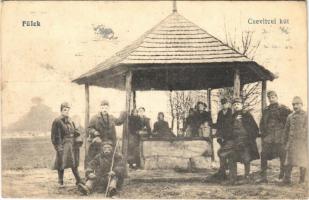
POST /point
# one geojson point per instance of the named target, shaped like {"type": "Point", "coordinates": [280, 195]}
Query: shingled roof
{"type": "Point", "coordinates": [176, 41]}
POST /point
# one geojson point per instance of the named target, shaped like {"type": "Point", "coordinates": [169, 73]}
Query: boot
{"type": "Point", "coordinates": [60, 177]}
{"type": "Point", "coordinates": [263, 178]}
{"type": "Point", "coordinates": [302, 175]}
{"type": "Point", "coordinates": [77, 176]}
{"type": "Point", "coordinates": [83, 189]}
{"type": "Point", "coordinates": [287, 176]}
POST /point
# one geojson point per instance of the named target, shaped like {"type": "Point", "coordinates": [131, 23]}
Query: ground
{"type": "Point", "coordinates": [26, 173]}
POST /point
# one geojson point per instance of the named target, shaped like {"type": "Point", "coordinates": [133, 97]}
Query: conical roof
{"type": "Point", "coordinates": [175, 40]}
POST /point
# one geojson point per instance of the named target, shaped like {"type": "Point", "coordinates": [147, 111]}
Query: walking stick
{"type": "Point", "coordinates": [111, 169]}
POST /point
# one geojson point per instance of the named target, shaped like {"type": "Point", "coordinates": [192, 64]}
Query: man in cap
{"type": "Point", "coordinates": [63, 137]}
{"type": "Point", "coordinates": [99, 170]}
{"type": "Point", "coordinates": [243, 143]}
{"type": "Point", "coordinates": [296, 141]}
{"type": "Point", "coordinates": [224, 129]}
{"type": "Point", "coordinates": [101, 128]}
{"type": "Point", "coordinates": [272, 132]}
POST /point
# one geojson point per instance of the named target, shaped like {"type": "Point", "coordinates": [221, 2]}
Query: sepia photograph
{"type": "Point", "coordinates": [154, 100]}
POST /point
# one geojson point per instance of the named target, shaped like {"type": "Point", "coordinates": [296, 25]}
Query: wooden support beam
{"type": "Point", "coordinates": [87, 115]}
{"type": "Point", "coordinates": [263, 100]}
{"type": "Point", "coordinates": [209, 108]}
{"type": "Point", "coordinates": [236, 84]}
{"type": "Point", "coordinates": [134, 99]}
{"type": "Point", "coordinates": [125, 138]}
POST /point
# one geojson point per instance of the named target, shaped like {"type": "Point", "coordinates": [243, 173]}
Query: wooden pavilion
{"type": "Point", "coordinates": [176, 54]}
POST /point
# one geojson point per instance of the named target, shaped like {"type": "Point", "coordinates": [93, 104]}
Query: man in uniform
{"type": "Point", "coordinates": [243, 143]}
{"type": "Point", "coordinates": [297, 148]}
{"type": "Point", "coordinates": [99, 172]}
{"type": "Point", "coordinates": [64, 138]}
{"type": "Point", "coordinates": [102, 128]}
{"type": "Point", "coordinates": [272, 132]}
{"type": "Point", "coordinates": [224, 129]}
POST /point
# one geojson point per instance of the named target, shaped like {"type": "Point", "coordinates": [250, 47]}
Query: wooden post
{"type": "Point", "coordinates": [209, 106]}
{"type": "Point", "coordinates": [134, 99]}
{"type": "Point", "coordinates": [236, 83]}
{"type": "Point", "coordinates": [263, 100]}
{"type": "Point", "coordinates": [87, 106]}
{"type": "Point", "coordinates": [125, 138]}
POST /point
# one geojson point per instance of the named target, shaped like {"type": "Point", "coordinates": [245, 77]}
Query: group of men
{"type": "Point", "coordinates": [105, 169]}
{"type": "Point", "coordinates": [283, 135]}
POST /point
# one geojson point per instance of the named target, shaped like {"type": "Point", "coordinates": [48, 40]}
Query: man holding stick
{"type": "Point", "coordinates": [105, 172]}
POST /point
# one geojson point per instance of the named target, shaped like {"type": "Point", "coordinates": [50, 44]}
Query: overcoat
{"type": "Point", "coordinates": [297, 138]}
{"type": "Point", "coordinates": [134, 139]}
{"type": "Point", "coordinates": [272, 123]}
{"type": "Point", "coordinates": [101, 165]}
{"type": "Point", "coordinates": [232, 145]}
{"type": "Point", "coordinates": [63, 133]}
{"type": "Point", "coordinates": [105, 126]}
{"type": "Point", "coordinates": [224, 124]}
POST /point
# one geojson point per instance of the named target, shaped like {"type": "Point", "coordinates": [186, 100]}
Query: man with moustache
{"type": "Point", "coordinates": [102, 128]}
{"type": "Point", "coordinates": [64, 137]}
{"type": "Point", "coordinates": [272, 133]}
{"type": "Point", "coordinates": [296, 132]}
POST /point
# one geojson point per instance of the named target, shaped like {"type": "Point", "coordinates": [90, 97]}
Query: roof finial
{"type": "Point", "coordinates": [174, 6]}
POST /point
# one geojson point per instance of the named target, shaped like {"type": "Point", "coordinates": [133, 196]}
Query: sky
{"type": "Point", "coordinates": [42, 61]}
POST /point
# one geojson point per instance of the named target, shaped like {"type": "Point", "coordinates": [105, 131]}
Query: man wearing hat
{"type": "Point", "coordinates": [64, 136]}
{"type": "Point", "coordinates": [272, 132]}
{"type": "Point", "coordinates": [101, 128]}
{"type": "Point", "coordinates": [99, 170]}
{"type": "Point", "coordinates": [224, 129]}
{"type": "Point", "coordinates": [244, 148]}
{"type": "Point", "coordinates": [296, 142]}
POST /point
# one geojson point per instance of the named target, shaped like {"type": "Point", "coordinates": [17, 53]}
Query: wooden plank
{"type": "Point", "coordinates": [209, 106]}
{"type": "Point", "coordinates": [236, 83]}
{"type": "Point", "coordinates": [264, 88]}
{"type": "Point", "coordinates": [87, 107]}
{"type": "Point", "coordinates": [125, 138]}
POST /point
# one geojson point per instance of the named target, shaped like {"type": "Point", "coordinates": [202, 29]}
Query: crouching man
{"type": "Point", "coordinates": [99, 170]}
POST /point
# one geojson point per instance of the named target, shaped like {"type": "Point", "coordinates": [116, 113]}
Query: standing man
{"type": "Point", "coordinates": [272, 132]}
{"type": "Point", "coordinates": [145, 128]}
{"type": "Point", "coordinates": [64, 138]}
{"type": "Point", "coordinates": [224, 132]}
{"type": "Point", "coordinates": [297, 138]}
{"type": "Point", "coordinates": [244, 147]}
{"type": "Point", "coordinates": [102, 128]}
{"type": "Point", "coordinates": [98, 171]}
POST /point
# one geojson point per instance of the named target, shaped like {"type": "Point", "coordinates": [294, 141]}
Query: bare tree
{"type": "Point", "coordinates": [180, 102]}
{"type": "Point", "coordinates": [246, 45]}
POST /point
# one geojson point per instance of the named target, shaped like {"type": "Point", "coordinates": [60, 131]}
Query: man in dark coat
{"type": "Point", "coordinates": [145, 128]}
{"type": "Point", "coordinates": [99, 170]}
{"type": "Point", "coordinates": [201, 116]}
{"type": "Point", "coordinates": [272, 132]}
{"type": "Point", "coordinates": [296, 131]}
{"type": "Point", "coordinates": [224, 132]}
{"type": "Point", "coordinates": [63, 137]}
{"type": "Point", "coordinates": [244, 148]}
{"type": "Point", "coordinates": [134, 140]}
{"type": "Point", "coordinates": [102, 128]}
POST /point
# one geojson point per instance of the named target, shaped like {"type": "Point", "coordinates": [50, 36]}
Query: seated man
{"type": "Point", "coordinates": [161, 128]}
{"type": "Point", "coordinates": [99, 170]}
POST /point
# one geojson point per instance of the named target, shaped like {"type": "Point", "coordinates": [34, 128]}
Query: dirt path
{"type": "Point", "coordinates": [42, 183]}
